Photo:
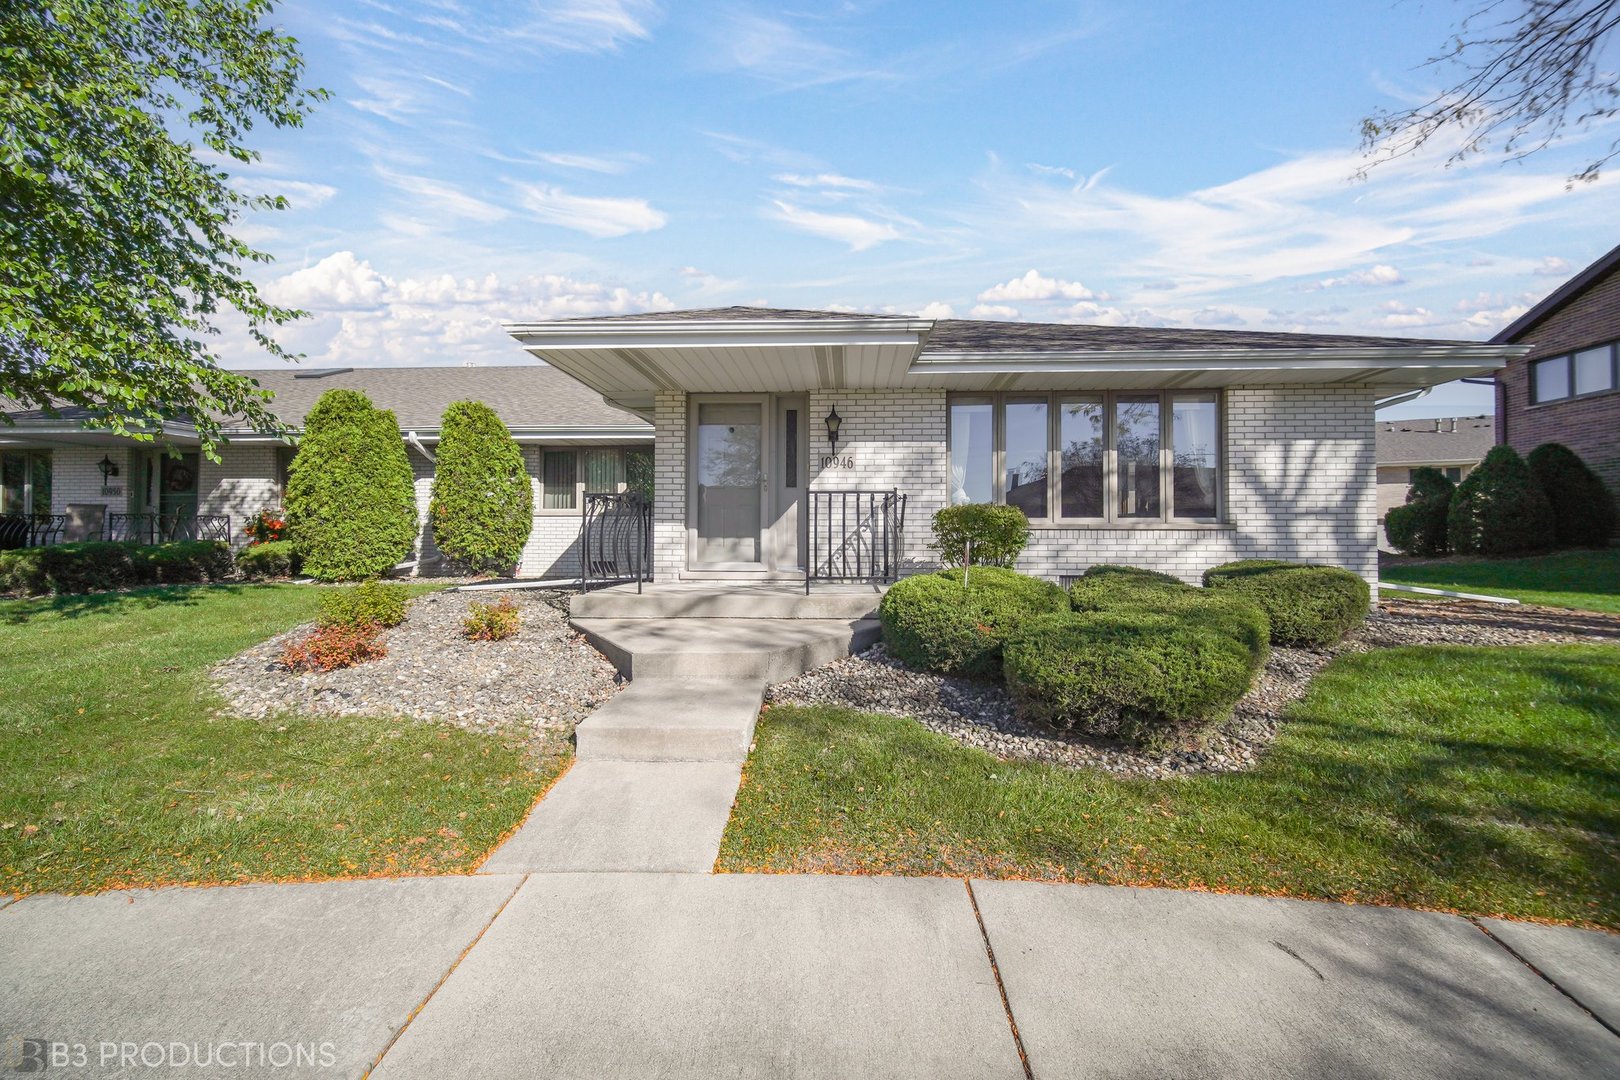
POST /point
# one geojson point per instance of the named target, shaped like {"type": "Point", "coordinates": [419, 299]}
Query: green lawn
{"type": "Point", "coordinates": [118, 773]}
{"type": "Point", "coordinates": [1583, 580]}
{"type": "Point", "coordinates": [1485, 781]}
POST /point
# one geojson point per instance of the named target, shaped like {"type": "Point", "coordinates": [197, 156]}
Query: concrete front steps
{"type": "Point", "coordinates": [673, 720]}
{"type": "Point", "coordinates": [762, 650]}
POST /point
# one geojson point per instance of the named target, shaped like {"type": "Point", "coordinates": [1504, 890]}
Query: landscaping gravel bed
{"type": "Point", "coordinates": [981, 715]}
{"type": "Point", "coordinates": [546, 678]}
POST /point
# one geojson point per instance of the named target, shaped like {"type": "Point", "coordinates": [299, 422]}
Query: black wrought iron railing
{"type": "Point", "coordinates": [30, 530]}
{"type": "Point", "coordinates": [164, 528]}
{"type": "Point", "coordinates": [615, 539]}
{"type": "Point", "coordinates": [855, 536]}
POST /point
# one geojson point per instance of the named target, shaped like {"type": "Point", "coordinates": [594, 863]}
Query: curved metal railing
{"type": "Point", "coordinates": [615, 539]}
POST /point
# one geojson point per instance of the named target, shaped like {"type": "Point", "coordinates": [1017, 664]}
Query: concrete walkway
{"type": "Point", "coordinates": [687, 975]}
{"type": "Point", "coordinates": [657, 767]}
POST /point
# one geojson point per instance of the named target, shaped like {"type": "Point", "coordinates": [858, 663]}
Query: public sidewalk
{"type": "Point", "coordinates": [695, 975]}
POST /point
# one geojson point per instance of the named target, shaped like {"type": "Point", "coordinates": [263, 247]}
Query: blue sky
{"type": "Point", "coordinates": [1146, 163]}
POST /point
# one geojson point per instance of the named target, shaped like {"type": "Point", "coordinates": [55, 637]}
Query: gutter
{"type": "Point", "coordinates": [1401, 399]}
{"type": "Point", "coordinates": [410, 437]}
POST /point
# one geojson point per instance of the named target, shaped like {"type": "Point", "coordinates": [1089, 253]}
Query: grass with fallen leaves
{"type": "Point", "coordinates": [120, 771]}
{"type": "Point", "coordinates": [1479, 780]}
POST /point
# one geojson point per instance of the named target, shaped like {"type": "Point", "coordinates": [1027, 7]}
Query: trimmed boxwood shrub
{"type": "Point", "coordinates": [1305, 604]}
{"type": "Point", "coordinates": [100, 565]}
{"type": "Point", "coordinates": [932, 622]}
{"type": "Point", "coordinates": [483, 507]}
{"type": "Point", "coordinates": [1499, 509]}
{"type": "Point", "coordinates": [351, 497]}
{"type": "Point", "coordinates": [1140, 675]}
{"type": "Point", "coordinates": [1419, 526]}
{"type": "Point", "coordinates": [998, 533]}
{"type": "Point", "coordinates": [375, 604]}
{"type": "Point", "coordinates": [1582, 507]}
{"type": "Point", "coordinates": [1114, 570]}
{"type": "Point", "coordinates": [274, 558]}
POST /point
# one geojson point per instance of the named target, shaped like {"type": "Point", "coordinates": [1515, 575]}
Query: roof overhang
{"type": "Point", "coordinates": [630, 362]}
{"type": "Point", "coordinates": [46, 431]}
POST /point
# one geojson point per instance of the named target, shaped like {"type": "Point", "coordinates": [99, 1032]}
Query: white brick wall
{"type": "Point", "coordinates": [76, 480]}
{"type": "Point", "coordinates": [240, 484]}
{"type": "Point", "coordinates": [1299, 475]}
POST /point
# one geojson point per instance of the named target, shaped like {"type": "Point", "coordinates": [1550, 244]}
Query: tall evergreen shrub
{"type": "Point", "coordinates": [483, 506]}
{"type": "Point", "coordinates": [1499, 509]}
{"type": "Point", "coordinates": [1582, 507]}
{"type": "Point", "coordinates": [1419, 527]}
{"type": "Point", "coordinates": [351, 498]}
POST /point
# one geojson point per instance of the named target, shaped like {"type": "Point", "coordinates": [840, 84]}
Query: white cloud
{"type": "Point", "coordinates": [1381, 274]}
{"type": "Point", "coordinates": [300, 194]}
{"type": "Point", "coordinates": [858, 232]}
{"type": "Point", "coordinates": [364, 317]}
{"type": "Point", "coordinates": [776, 51]}
{"type": "Point", "coordinates": [992, 311]}
{"type": "Point", "coordinates": [1553, 266]}
{"type": "Point", "coordinates": [438, 198]}
{"type": "Point", "coordinates": [1035, 286]}
{"type": "Point", "coordinates": [1399, 316]}
{"type": "Point", "coordinates": [479, 31]}
{"type": "Point", "coordinates": [826, 180]}
{"type": "Point", "coordinates": [599, 163]}
{"type": "Point", "coordinates": [936, 310]}
{"type": "Point", "coordinates": [597, 216]}
{"type": "Point", "coordinates": [1049, 170]}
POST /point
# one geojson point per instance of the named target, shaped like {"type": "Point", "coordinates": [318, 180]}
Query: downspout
{"type": "Point", "coordinates": [1401, 399]}
{"type": "Point", "coordinates": [411, 437]}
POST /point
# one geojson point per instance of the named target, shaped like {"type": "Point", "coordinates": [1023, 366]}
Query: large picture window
{"type": "Point", "coordinates": [1089, 458]}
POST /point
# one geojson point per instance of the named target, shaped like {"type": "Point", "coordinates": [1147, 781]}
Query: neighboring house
{"type": "Point", "coordinates": [1452, 444]}
{"type": "Point", "coordinates": [113, 486]}
{"type": "Point", "coordinates": [1171, 449]}
{"type": "Point", "coordinates": [1566, 388]}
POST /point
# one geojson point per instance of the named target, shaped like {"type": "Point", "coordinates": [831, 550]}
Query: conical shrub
{"type": "Point", "coordinates": [483, 505]}
{"type": "Point", "coordinates": [351, 498]}
{"type": "Point", "coordinates": [1499, 509]}
{"type": "Point", "coordinates": [1419, 527]}
{"type": "Point", "coordinates": [1582, 507]}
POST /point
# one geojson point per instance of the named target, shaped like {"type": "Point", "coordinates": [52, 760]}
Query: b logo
{"type": "Point", "coordinates": [25, 1055]}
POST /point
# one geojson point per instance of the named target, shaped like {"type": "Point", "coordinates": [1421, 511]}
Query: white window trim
{"type": "Point", "coordinates": [538, 477]}
{"type": "Point", "coordinates": [1111, 518]}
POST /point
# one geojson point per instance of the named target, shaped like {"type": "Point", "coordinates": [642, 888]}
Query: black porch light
{"type": "Point", "coordinates": [833, 420]}
{"type": "Point", "coordinates": [108, 467]}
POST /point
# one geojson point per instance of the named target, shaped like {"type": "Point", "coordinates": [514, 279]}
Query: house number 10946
{"type": "Point", "coordinates": [838, 461]}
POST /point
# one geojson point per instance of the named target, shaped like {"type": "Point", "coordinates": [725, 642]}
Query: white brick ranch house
{"type": "Point", "coordinates": [52, 467]}
{"type": "Point", "coordinates": [1165, 448]}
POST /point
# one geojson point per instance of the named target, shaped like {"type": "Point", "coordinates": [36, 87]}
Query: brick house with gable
{"type": "Point", "coordinates": [1566, 389]}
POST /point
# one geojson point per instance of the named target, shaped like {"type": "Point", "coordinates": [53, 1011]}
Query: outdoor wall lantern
{"type": "Point", "coordinates": [833, 420]}
{"type": "Point", "coordinates": [108, 468]}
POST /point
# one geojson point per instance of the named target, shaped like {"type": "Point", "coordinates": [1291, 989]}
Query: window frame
{"type": "Point", "coordinates": [1110, 518]}
{"type": "Point", "coordinates": [1567, 360]}
{"type": "Point", "coordinates": [538, 476]}
{"type": "Point", "coordinates": [30, 490]}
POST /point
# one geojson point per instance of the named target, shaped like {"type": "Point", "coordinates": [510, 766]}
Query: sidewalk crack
{"type": "Point", "coordinates": [1548, 979]}
{"type": "Point", "coordinates": [451, 970]}
{"type": "Point", "coordinates": [1001, 987]}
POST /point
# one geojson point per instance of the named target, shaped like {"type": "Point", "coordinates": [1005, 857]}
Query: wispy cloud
{"type": "Point", "coordinates": [1381, 274]}
{"type": "Point", "coordinates": [777, 51]}
{"type": "Point", "coordinates": [597, 163]}
{"type": "Point", "coordinates": [487, 32]}
{"type": "Point", "coordinates": [440, 198]}
{"type": "Point", "coordinates": [858, 232]}
{"type": "Point", "coordinates": [826, 180]}
{"type": "Point", "coordinates": [594, 215]}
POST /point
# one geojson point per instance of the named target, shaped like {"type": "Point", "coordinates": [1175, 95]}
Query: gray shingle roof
{"type": "Point", "coordinates": [977, 335]}
{"type": "Point", "coordinates": [972, 335]}
{"type": "Point", "coordinates": [1416, 442]}
{"type": "Point", "coordinates": [524, 395]}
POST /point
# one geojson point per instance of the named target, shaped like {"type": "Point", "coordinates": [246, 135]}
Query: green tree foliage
{"type": "Point", "coordinates": [117, 252]}
{"type": "Point", "coordinates": [1583, 508]}
{"type": "Point", "coordinates": [1499, 509]}
{"type": "Point", "coordinates": [998, 533]}
{"type": "Point", "coordinates": [1419, 527]}
{"type": "Point", "coordinates": [351, 498]}
{"type": "Point", "coordinates": [483, 506]}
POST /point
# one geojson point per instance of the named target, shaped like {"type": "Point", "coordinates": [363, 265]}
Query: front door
{"type": "Point", "coordinates": [746, 475]}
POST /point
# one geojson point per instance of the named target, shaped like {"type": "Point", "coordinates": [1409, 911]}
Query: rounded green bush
{"type": "Point", "coordinates": [351, 497]}
{"type": "Point", "coordinates": [1582, 507]}
{"type": "Point", "coordinates": [273, 558]}
{"type": "Point", "coordinates": [1144, 676]}
{"type": "Point", "coordinates": [1499, 509]}
{"type": "Point", "coordinates": [1305, 604]}
{"type": "Point", "coordinates": [1146, 590]}
{"type": "Point", "coordinates": [1115, 570]}
{"type": "Point", "coordinates": [1419, 526]}
{"type": "Point", "coordinates": [376, 604]}
{"type": "Point", "coordinates": [998, 533]}
{"type": "Point", "coordinates": [931, 622]}
{"type": "Point", "coordinates": [483, 506]}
